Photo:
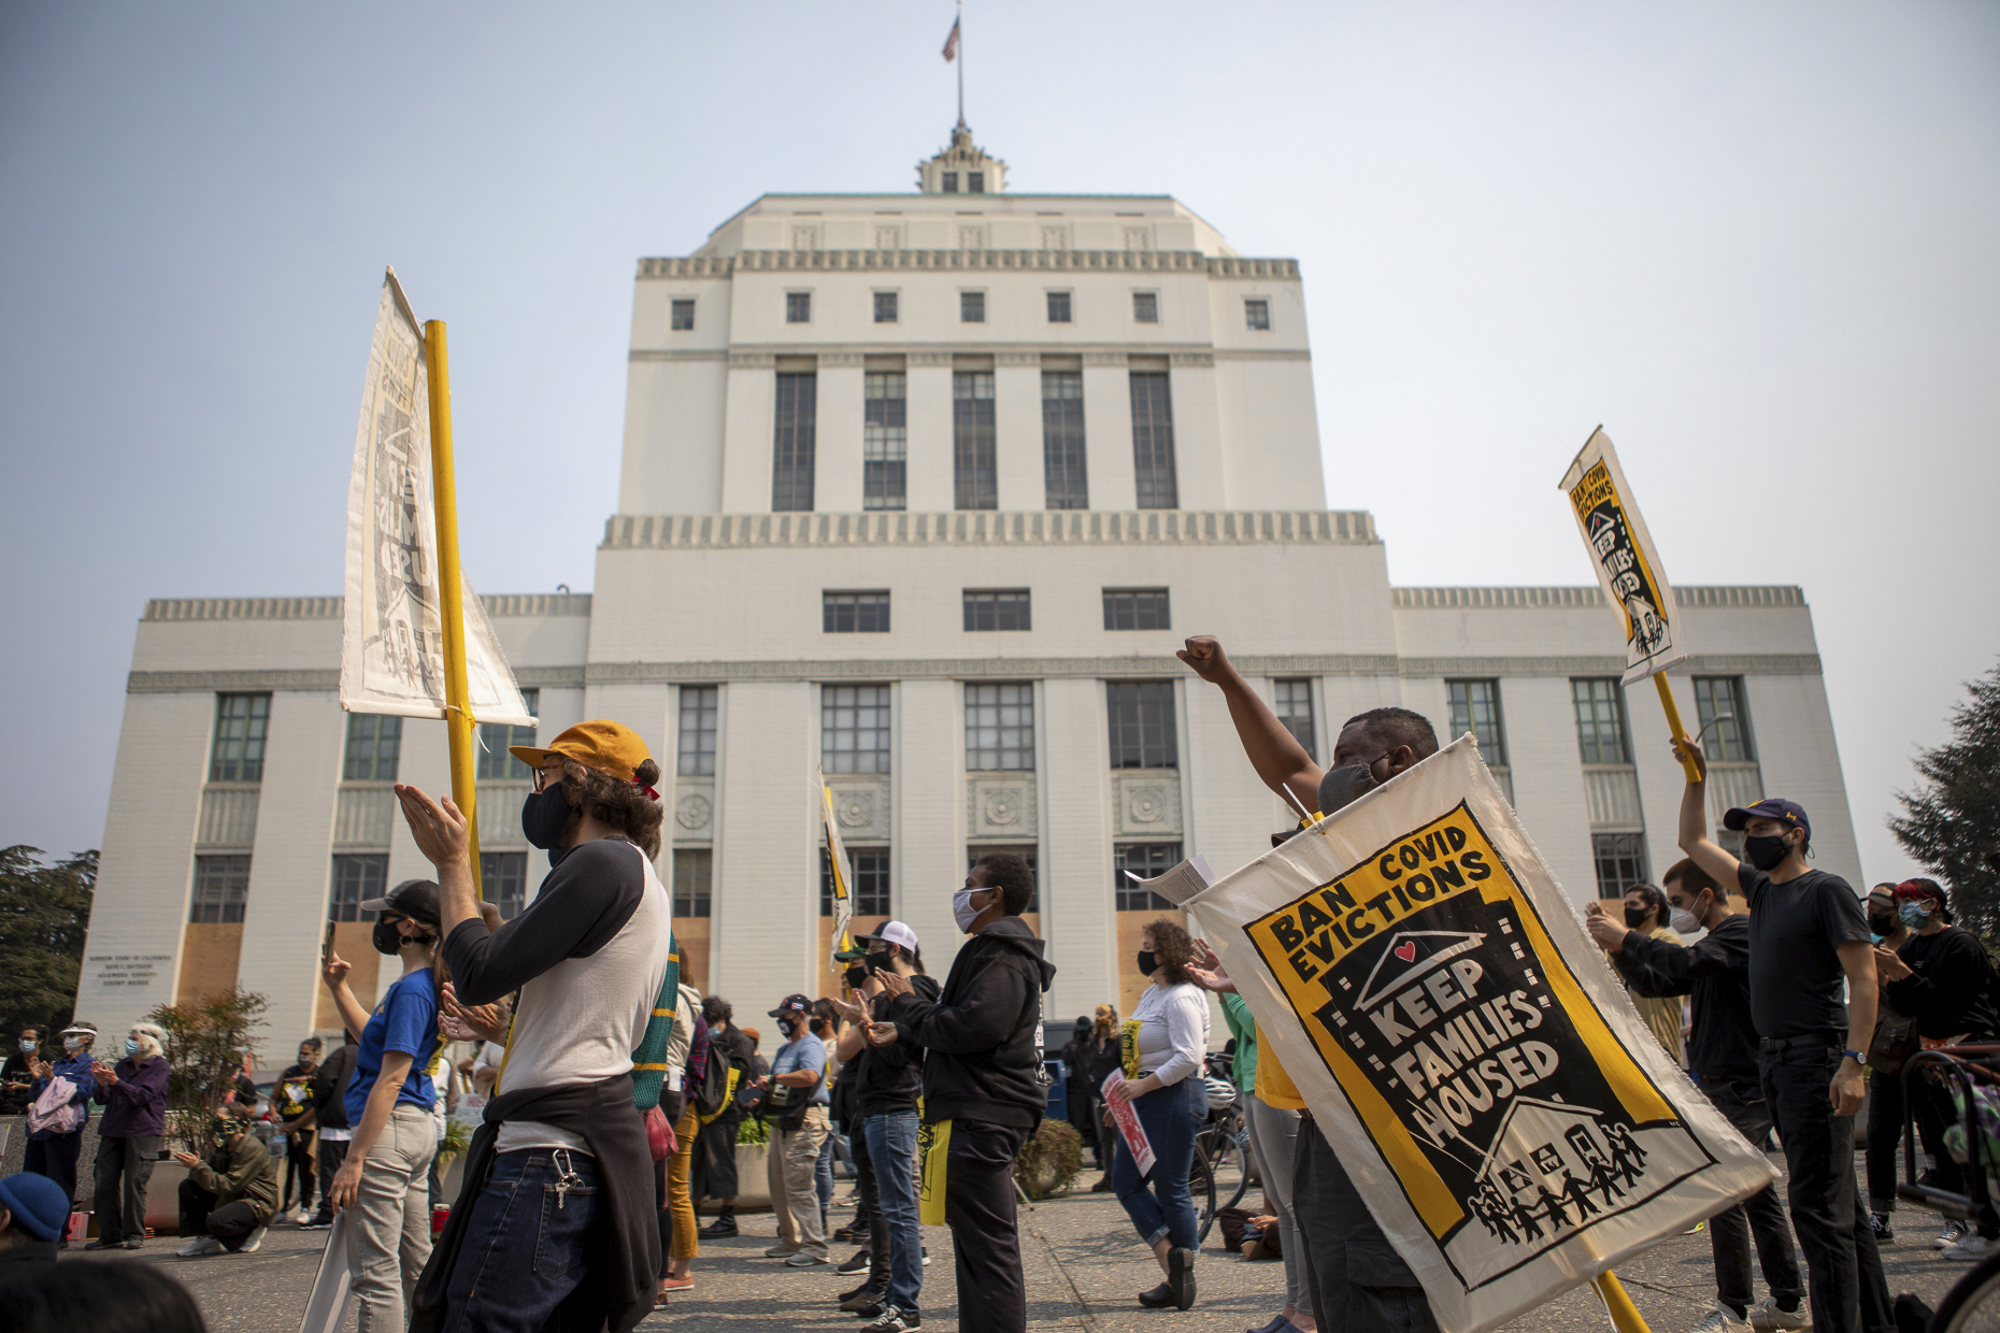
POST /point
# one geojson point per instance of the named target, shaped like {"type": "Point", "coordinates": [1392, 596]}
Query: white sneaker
{"type": "Point", "coordinates": [1766, 1315]}
{"type": "Point", "coordinates": [254, 1243]}
{"type": "Point", "coordinates": [1721, 1321]}
{"type": "Point", "coordinates": [199, 1246]}
{"type": "Point", "coordinates": [1952, 1234]}
{"type": "Point", "coordinates": [1974, 1246]}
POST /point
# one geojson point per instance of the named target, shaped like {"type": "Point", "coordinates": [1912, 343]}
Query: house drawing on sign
{"type": "Point", "coordinates": [1603, 533]}
{"type": "Point", "coordinates": [1552, 1166]}
{"type": "Point", "coordinates": [1413, 954]}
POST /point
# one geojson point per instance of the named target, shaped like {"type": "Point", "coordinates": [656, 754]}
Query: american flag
{"type": "Point", "coordinates": [951, 42]}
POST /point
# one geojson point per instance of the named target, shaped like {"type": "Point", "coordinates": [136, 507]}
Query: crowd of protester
{"type": "Point", "coordinates": [596, 1068]}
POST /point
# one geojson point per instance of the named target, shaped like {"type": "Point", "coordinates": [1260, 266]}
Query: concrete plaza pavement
{"type": "Point", "coordinates": [1084, 1268]}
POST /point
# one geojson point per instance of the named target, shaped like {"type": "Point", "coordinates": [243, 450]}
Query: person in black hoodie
{"type": "Point", "coordinates": [1722, 1052]}
{"type": "Point", "coordinates": [329, 1112]}
{"type": "Point", "coordinates": [983, 1074]}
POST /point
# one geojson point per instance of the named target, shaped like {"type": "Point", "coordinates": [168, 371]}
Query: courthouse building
{"type": "Point", "coordinates": [925, 489]}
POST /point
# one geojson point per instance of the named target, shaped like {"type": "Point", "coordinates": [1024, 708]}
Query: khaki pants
{"type": "Point", "coordinates": [788, 1168]}
{"type": "Point", "coordinates": [390, 1235]}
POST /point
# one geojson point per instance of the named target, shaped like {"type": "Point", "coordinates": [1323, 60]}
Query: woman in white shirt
{"type": "Point", "coordinates": [1163, 1044]}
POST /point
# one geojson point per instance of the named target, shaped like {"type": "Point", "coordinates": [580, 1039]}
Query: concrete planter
{"type": "Point", "coordinates": [751, 1177]}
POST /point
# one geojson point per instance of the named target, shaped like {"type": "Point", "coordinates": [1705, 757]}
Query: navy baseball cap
{"type": "Point", "coordinates": [1770, 807]}
{"type": "Point", "coordinates": [792, 1004]}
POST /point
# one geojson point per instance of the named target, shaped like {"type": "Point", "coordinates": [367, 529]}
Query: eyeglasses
{"type": "Point", "coordinates": [545, 776]}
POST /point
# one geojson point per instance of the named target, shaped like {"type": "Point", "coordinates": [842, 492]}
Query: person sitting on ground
{"type": "Point", "coordinates": [33, 1217]}
{"type": "Point", "coordinates": [230, 1196]}
{"type": "Point", "coordinates": [134, 1096]}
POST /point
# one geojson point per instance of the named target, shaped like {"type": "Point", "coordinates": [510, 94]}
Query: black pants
{"type": "Point", "coordinates": [1844, 1272]}
{"type": "Point", "coordinates": [299, 1167]}
{"type": "Point", "coordinates": [715, 1157]}
{"type": "Point", "coordinates": [1885, 1135]}
{"type": "Point", "coordinates": [231, 1224]}
{"type": "Point", "coordinates": [126, 1162]}
{"type": "Point", "coordinates": [55, 1157]}
{"type": "Point", "coordinates": [332, 1152]}
{"type": "Point", "coordinates": [1760, 1216]}
{"type": "Point", "coordinates": [979, 1206]}
{"type": "Point", "coordinates": [1356, 1280]}
{"type": "Point", "coordinates": [870, 1212]}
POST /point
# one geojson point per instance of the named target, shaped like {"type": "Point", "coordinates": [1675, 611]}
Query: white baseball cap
{"type": "Point", "coordinates": [892, 932]}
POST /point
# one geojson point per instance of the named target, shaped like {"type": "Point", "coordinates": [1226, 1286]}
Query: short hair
{"type": "Point", "coordinates": [1395, 727]}
{"type": "Point", "coordinates": [1655, 899]}
{"type": "Point", "coordinates": [104, 1298]}
{"type": "Point", "coordinates": [41, 1033]}
{"type": "Point", "coordinates": [1173, 949]}
{"type": "Point", "coordinates": [313, 1042]}
{"type": "Point", "coordinates": [1691, 877]}
{"type": "Point", "coordinates": [1009, 874]}
{"type": "Point", "coordinates": [716, 1009]}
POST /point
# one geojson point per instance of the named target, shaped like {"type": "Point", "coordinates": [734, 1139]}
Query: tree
{"type": "Point", "coordinates": [207, 1040]}
{"type": "Point", "coordinates": [1952, 824]}
{"type": "Point", "coordinates": [44, 916]}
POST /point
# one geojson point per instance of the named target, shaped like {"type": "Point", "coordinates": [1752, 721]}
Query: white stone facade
{"type": "Point", "coordinates": [701, 583]}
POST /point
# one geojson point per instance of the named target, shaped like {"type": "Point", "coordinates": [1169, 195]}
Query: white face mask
{"type": "Point", "coordinates": [72, 1043]}
{"type": "Point", "coordinates": [29, 1046]}
{"type": "Point", "coordinates": [963, 911]}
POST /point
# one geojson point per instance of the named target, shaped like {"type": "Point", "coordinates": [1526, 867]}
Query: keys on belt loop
{"type": "Point", "coordinates": [566, 1177]}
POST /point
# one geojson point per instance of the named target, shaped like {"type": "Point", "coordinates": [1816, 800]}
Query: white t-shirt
{"type": "Point", "coordinates": [1173, 1031]}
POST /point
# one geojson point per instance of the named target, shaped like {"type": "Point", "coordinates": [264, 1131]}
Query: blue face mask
{"type": "Point", "coordinates": [131, 1046]}
{"type": "Point", "coordinates": [1914, 915]}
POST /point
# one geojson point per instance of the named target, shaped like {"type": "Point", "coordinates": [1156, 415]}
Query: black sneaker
{"type": "Point", "coordinates": [725, 1225]}
{"type": "Point", "coordinates": [893, 1320]}
{"type": "Point", "coordinates": [872, 1293]}
{"type": "Point", "coordinates": [858, 1264]}
{"type": "Point", "coordinates": [872, 1310]}
{"type": "Point", "coordinates": [862, 1298]}
{"type": "Point", "coordinates": [854, 1232]}
{"type": "Point", "coordinates": [317, 1224]}
{"type": "Point", "coordinates": [1879, 1224]}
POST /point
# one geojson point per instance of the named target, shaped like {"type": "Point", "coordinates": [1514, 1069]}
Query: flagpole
{"type": "Point", "coordinates": [960, 25]}
{"type": "Point", "coordinates": [458, 719]}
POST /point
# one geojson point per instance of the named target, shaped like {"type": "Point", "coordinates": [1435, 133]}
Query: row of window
{"type": "Point", "coordinates": [994, 609]}
{"type": "Point", "coordinates": [374, 743]}
{"type": "Point", "coordinates": [974, 438]}
{"type": "Point", "coordinates": [888, 309]}
{"type": "Point", "coordinates": [222, 885]}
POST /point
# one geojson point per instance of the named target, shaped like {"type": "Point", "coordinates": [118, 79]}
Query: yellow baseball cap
{"type": "Point", "coordinates": [607, 746]}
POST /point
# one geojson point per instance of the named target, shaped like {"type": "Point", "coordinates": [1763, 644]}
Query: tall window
{"type": "Point", "coordinates": [694, 878]}
{"type": "Point", "coordinates": [1153, 441]}
{"type": "Point", "coordinates": [798, 307]}
{"type": "Point", "coordinates": [1722, 697]}
{"type": "Point", "coordinates": [885, 307]}
{"type": "Point", "coordinates": [1292, 700]}
{"type": "Point", "coordinates": [1137, 608]}
{"type": "Point", "coordinates": [1621, 862]}
{"type": "Point", "coordinates": [356, 879]}
{"type": "Point", "coordinates": [854, 612]}
{"type": "Point", "coordinates": [221, 887]}
{"type": "Point", "coordinates": [1474, 706]}
{"type": "Point", "coordinates": [1147, 860]}
{"type": "Point", "coordinates": [999, 728]}
{"type": "Point", "coordinates": [1058, 307]}
{"type": "Point", "coordinates": [972, 307]}
{"type": "Point", "coordinates": [975, 183]}
{"type": "Point", "coordinates": [1600, 721]}
{"type": "Point", "coordinates": [503, 881]}
{"type": "Point", "coordinates": [996, 608]}
{"type": "Point", "coordinates": [1064, 483]}
{"type": "Point", "coordinates": [1146, 307]}
{"type": "Point", "coordinates": [1143, 734]}
{"type": "Point", "coordinates": [884, 439]}
{"type": "Point", "coordinates": [700, 707]}
{"type": "Point", "coordinates": [495, 737]}
{"type": "Point", "coordinates": [682, 318]}
{"type": "Point", "coordinates": [792, 448]}
{"type": "Point", "coordinates": [373, 743]}
{"type": "Point", "coordinates": [950, 182]}
{"type": "Point", "coordinates": [854, 728]}
{"type": "Point", "coordinates": [240, 723]}
{"type": "Point", "coordinates": [869, 886]}
{"type": "Point", "coordinates": [1026, 851]}
{"type": "Point", "coordinates": [1256, 313]}
{"type": "Point", "coordinates": [975, 472]}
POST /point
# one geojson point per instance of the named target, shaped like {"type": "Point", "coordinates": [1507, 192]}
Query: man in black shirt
{"type": "Point", "coordinates": [1722, 1052]}
{"type": "Point", "coordinates": [1807, 936]}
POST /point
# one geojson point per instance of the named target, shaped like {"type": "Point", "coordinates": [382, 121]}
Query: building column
{"type": "Point", "coordinates": [1107, 431]}
{"type": "Point", "coordinates": [928, 862]}
{"type": "Point", "coordinates": [765, 906]}
{"type": "Point", "coordinates": [1017, 414]}
{"type": "Point", "coordinates": [1076, 821]}
{"type": "Point", "coordinates": [750, 404]}
{"type": "Point", "coordinates": [837, 483]}
{"type": "Point", "coordinates": [928, 414]}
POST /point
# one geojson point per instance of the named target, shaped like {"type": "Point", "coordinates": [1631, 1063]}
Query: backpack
{"type": "Point", "coordinates": [712, 1084]}
{"type": "Point", "coordinates": [52, 1110]}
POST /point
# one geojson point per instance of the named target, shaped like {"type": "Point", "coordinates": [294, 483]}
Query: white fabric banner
{"type": "Point", "coordinates": [392, 644]}
{"type": "Point", "coordinates": [842, 873]}
{"type": "Point", "coordinates": [1465, 1048]}
{"type": "Point", "coordinates": [1622, 552]}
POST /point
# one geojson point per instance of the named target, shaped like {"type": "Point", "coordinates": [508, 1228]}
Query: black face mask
{"type": "Point", "coordinates": [1148, 963]}
{"type": "Point", "coordinates": [882, 962]}
{"type": "Point", "coordinates": [1883, 924]}
{"type": "Point", "coordinates": [389, 940]}
{"type": "Point", "coordinates": [544, 816]}
{"type": "Point", "coordinates": [1635, 917]}
{"type": "Point", "coordinates": [1766, 853]}
{"type": "Point", "coordinates": [855, 976]}
{"type": "Point", "coordinates": [785, 1025]}
{"type": "Point", "coordinates": [1347, 784]}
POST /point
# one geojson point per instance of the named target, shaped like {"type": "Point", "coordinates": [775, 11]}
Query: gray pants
{"type": "Point", "coordinates": [121, 1213]}
{"type": "Point", "coordinates": [789, 1168]}
{"type": "Point", "coordinates": [1357, 1281]}
{"type": "Point", "coordinates": [391, 1228]}
{"type": "Point", "coordinates": [1274, 1134]}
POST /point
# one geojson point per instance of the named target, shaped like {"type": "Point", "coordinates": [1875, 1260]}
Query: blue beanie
{"type": "Point", "coordinates": [37, 1204]}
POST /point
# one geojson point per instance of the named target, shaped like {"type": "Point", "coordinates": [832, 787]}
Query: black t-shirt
{"type": "Point", "coordinates": [1948, 994]}
{"type": "Point", "coordinates": [1716, 973]}
{"type": "Point", "coordinates": [1796, 980]}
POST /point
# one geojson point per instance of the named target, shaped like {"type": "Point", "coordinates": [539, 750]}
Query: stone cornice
{"type": "Point", "coordinates": [1701, 664]}
{"type": "Point", "coordinates": [1091, 527]}
{"type": "Point", "coordinates": [1051, 261]}
{"type": "Point", "coordinates": [764, 357]}
{"type": "Point", "coordinates": [167, 609]}
{"type": "Point", "coordinates": [1455, 599]}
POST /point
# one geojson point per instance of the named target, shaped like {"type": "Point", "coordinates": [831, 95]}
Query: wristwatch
{"type": "Point", "coordinates": [1856, 1056]}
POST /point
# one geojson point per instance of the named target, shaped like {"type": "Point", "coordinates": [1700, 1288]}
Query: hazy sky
{"type": "Point", "coordinates": [1760, 243]}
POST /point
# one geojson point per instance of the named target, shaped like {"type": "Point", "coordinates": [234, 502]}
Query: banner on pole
{"type": "Point", "coordinates": [839, 869]}
{"type": "Point", "coordinates": [1514, 1127]}
{"type": "Point", "coordinates": [392, 639]}
{"type": "Point", "coordinates": [1628, 568]}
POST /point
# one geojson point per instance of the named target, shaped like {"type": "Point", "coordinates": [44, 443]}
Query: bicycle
{"type": "Point", "coordinates": [1221, 1157]}
{"type": "Point", "coordinates": [1973, 1303]}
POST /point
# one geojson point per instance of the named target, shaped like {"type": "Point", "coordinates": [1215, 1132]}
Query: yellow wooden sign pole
{"type": "Point", "coordinates": [1625, 1316]}
{"type": "Point", "coordinates": [458, 719]}
{"type": "Point", "coordinates": [1674, 724]}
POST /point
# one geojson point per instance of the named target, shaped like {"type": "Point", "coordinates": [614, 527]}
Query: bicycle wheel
{"type": "Point", "coordinates": [1201, 1185]}
{"type": "Point", "coordinates": [1973, 1303]}
{"type": "Point", "coordinates": [1230, 1168]}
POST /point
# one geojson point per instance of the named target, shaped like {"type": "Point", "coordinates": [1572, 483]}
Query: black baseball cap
{"type": "Point", "coordinates": [1770, 807]}
{"type": "Point", "coordinates": [792, 1004]}
{"type": "Point", "coordinates": [416, 899]}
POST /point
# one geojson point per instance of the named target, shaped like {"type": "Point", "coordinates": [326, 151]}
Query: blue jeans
{"type": "Point", "coordinates": [524, 1247]}
{"type": "Point", "coordinates": [823, 1176]}
{"type": "Point", "coordinates": [1170, 1117]}
{"type": "Point", "coordinates": [892, 1156]}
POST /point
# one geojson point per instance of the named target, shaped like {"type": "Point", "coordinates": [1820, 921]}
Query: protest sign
{"type": "Point", "coordinates": [1512, 1124]}
{"type": "Point", "coordinates": [1627, 566]}
{"type": "Point", "coordinates": [392, 656]}
{"type": "Point", "coordinates": [1126, 1117]}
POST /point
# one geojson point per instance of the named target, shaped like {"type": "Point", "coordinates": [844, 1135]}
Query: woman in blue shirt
{"type": "Point", "coordinates": [52, 1152]}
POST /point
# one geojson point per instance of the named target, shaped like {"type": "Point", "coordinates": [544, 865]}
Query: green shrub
{"type": "Point", "coordinates": [1050, 1160]}
{"type": "Point", "coordinates": [752, 1130]}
